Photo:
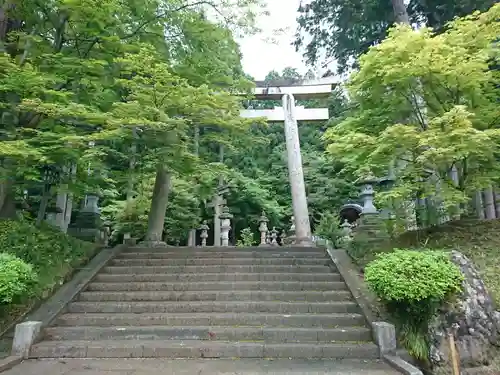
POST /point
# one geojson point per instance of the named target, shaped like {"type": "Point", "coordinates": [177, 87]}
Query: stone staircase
{"type": "Point", "coordinates": [213, 303]}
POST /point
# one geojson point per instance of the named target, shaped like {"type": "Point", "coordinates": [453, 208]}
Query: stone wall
{"type": "Point", "coordinates": [472, 318]}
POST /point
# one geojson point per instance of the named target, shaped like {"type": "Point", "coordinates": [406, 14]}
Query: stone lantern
{"type": "Point", "coordinates": [204, 233]}
{"type": "Point", "coordinates": [368, 194]}
{"type": "Point", "coordinates": [225, 218]}
{"type": "Point", "coordinates": [263, 220]}
{"type": "Point", "coordinates": [372, 230]}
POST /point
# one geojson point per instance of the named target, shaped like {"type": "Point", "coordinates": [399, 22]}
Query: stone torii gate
{"type": "Point", "coordinates": [290, 114]}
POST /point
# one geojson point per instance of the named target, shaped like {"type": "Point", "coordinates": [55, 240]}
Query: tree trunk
{"type": "Point", "coordinates": [7, 201]}
{"type": "Point", "coordinates": [159, 203]}
{"type": "Point", "coordinates": [196, 141]}
{"type": "Point", "coordinates": [131, 168]}
{"type": "Point", "coordinates": [400, 12]}
{"type": "Point", "coordinates": [43, 205]}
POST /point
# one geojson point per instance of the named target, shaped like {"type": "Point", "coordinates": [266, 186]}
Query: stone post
{"type": "Point", "coordinates": [263, 220]}
{"type": "Point", "coordinates": [204, 233]}
{"type": "Point", "coordinates": [192, 238]}
{"type": "Point", "coordinates": [274, 236]}
{"type": "Point", "coordinates": [225, 217]}
{"type": "Point", "coordinates": [295, 173]}
{"type": "Point", "coordinates": [217, 203]}
{"type": "Point", "coordinates": [290, 237]}
{"type": "Point", "coordinates": [217, 221]}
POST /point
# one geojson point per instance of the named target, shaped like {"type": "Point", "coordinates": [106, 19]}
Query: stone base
{"type": "Point", "coordinates": [304, 242]}
{"type": "Point", "coordinates": [290, 240]}
{"type": "Point", "coordinates": [85, 234]}
{"type": "Point", "coordinates": [370, 236]}
{"type": "Point", "coordinates": [152, 244]}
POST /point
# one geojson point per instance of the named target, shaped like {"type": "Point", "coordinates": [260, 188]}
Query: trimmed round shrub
{"type": "Point", "coordinates": [17, 279]}
{"type": "Point", "coordinates": [413, 285]}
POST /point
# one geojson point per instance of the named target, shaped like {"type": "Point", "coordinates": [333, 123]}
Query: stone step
{"type": "Point", "coordinates": [208, 250]}
{"type": "Point", "coordinates": [194, 277]}
{"type": "Point", "coordinates": [219, 285]}
{"type": "Point", "coordinates": [220, 254]}
{"type": "Point", "coordinates": [200, 349]}
{"type": "Point", "coordinates": [215, 319]}
{"type": "Point", "coordinates": [214, 269]}
{"type": "Point", "coordinates": [213, 307]}
{"type": "Point", "coordinates": [221, 261]}
{"type": "Point", "coordinates": [218, 296]}
{"type": "Point", "coordinates": [213, 333]}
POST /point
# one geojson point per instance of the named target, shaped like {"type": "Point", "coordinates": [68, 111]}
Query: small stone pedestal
{"type": "Point", "coordinates": [204, 233]}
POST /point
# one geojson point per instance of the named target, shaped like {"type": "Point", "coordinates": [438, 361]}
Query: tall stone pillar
{"type": "Point", "coordinates": [192, 238]}
{"type": "Point", "coordinates": [478, 205]}
{"type": "Point", "coordinates": [296, 175]}
{"type": "Point", "coordinates": [497, 201]}
{"type": "Point", "coordinates": [489, 203]}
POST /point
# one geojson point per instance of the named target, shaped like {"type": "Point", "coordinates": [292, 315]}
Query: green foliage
{"type": "Point", "coordinates": [51, 253]}
{"type": "Point", "coordinates": [342, 30]}
{"type": "Point", "coordinates": [413, 285]}
{"type": "Point", "coordinates": [17, 278]}
{"type": "Point", "coordinates": [126, 76]}
{"type": "Point", "coordinates": [247, 238]}
{"type": "Point", "coordinates": [328, 227]}
{"type": "Point", "coordinates": [426, 122]}
{"type": "Point", "coordinates": [477, 239]}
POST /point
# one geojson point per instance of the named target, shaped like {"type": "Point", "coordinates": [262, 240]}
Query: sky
{"type": "Point", "coordinates": [260, 56]}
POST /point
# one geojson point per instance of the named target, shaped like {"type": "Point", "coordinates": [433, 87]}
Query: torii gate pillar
{"type": "Point", "coordinates": [296, 174]}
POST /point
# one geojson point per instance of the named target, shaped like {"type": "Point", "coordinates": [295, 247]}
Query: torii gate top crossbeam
{"type": "Point", "coordinates": [303, 90]}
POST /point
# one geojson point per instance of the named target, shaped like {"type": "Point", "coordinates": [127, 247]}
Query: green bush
{"type": "Point", "coordinates": [43, 247]}
{"type": "Point", "coordinates": [328, 227]}
{"type": "Point", "coordinates": [247, 238]}
{"type": "Point", "coordinates": [17, 278]}
{"type": "Point", "coordinates": [413, 285]}
{"type": "Point", "coordinates": [53, 255]}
